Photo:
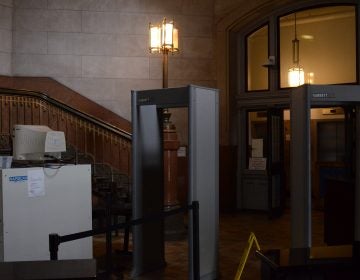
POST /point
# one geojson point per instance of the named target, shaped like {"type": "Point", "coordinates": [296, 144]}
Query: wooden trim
{"type": "Point", "coordinates": [66, 95]}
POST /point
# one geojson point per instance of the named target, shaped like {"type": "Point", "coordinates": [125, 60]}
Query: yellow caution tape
{"type": "Point", "coordinates": [245, 255]}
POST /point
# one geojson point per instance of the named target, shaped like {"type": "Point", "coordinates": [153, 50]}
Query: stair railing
{"type": "Point", "coordinates": [90, 136]}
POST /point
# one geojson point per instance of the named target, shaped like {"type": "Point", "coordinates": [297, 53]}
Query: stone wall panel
{"type": "Point", "coordinates": [47, 65]}
{"type": "Point", "coordinates": [5, 17]}
{"type": "Point", "coordinates": [30, 4]}
{"type": "Point", "coordinates": [198, 47]}
{"type": "Point", "coordinates": [5, 63]}
{"type": "Point", "coordinates": [96, 44]}
{"type": "Point", "coordinates": [192, 69]}
{"type": "Point", "coordinates": [48, 20]}
{"type": "Point", "coordinates": [5, 36]}
{"type": "Point", "coordinates": [115, 67]}
{"type": "Point", "coordinates": [123, 6]}
{"type": "Point", "coordinates": [5, 40]}
{"type": "Point", "coordinates": [114, 23]}
{"type": "Point", "coordinates": [30, 20]}
{"type": "Point", "coordinates": [64, 21]}
{"type": "Point", "coordinates": [7, 3]}
{"type": "Point", "coordinates": [30, 42]}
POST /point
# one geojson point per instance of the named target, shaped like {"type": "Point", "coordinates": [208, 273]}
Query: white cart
{"type": "Point", "coordinates": [32, 208]}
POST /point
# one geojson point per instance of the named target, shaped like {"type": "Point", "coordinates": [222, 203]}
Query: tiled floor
{"type": "Point", "coordinates": [234, 233]}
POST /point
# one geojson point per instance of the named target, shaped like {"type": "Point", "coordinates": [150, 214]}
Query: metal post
{"type": "Point", "coordinates": [196, 241]}
{"type": "Point", "coordinates": [108, 233]}
{"type": "Point", "coordinates": [165, 68]}
{"type": "Point", "coordinates": [126, 234]}
{"type": "Point", "coordinates": [356, 245]}
{"type": "Point", "coordinates": [54, 241]}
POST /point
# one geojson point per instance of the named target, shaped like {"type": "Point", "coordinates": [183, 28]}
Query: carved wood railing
{"type": "Point", "coordinates": [103, 142]}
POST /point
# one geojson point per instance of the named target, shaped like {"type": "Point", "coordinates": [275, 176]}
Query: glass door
{"type": "Point", "coordinates": [275, 166]}
{"type": "Point", "coordinates": [263, 180]}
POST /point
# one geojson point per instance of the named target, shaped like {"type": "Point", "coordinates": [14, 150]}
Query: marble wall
{"type": "Point", "coordinates": [6, 8]}
{"type": "Point", "coordinates": [100, 47]}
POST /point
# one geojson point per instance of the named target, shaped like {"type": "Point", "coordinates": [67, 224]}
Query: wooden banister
{"type": "Point", "coordinates": [104, 142]}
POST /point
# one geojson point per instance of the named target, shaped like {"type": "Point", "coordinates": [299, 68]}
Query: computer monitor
{"type": "Point", "coordinates": [37, 142]}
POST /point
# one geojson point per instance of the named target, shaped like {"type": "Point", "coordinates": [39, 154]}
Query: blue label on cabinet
{"type": "Point", "coordinates": [17, 178]}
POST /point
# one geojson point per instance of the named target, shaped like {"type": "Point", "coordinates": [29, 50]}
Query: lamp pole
{"type": "Point", "coordinates": [166, 113]}
{"type": "Point", "coordinates": [165, 69]}
{"type": "Point", "coordinates": [164, 39]}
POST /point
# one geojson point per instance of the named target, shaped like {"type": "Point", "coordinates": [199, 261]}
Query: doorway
{"type": "Point", "coordinates": [266, 176]}
{"type": "Point", "coordinates": [263, 177]}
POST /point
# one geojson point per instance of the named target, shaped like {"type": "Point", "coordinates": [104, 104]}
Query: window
{"type": "Point", "coordinates": [318, 43]}
{"type": "Point", "coordinates": [325, 49]}
{"type": "Point", "coordinates": [257, 55]}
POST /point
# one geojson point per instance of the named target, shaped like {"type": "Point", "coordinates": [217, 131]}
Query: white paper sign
{"type": "Point", "coordinates": [257, 148]}
{"type": "Point", "coordinates": [36, 186]}
{"type": "Point", "coordinates": [181, 152]}
{"type": "Point", "coordinates": [257, 163]}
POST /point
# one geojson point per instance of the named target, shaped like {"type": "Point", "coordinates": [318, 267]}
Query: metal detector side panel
{"type": "Point", "coordinates": [148, 188]}
{"type": "Point", "coordinates": [204, 159]}
{"type": "Point", "coordinates": [357, 184]}
{"type": "Point", "coordinates": [300, 168]}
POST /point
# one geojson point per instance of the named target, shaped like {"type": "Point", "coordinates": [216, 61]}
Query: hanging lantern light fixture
{"type": "Point", "coordinates": [296, 74]}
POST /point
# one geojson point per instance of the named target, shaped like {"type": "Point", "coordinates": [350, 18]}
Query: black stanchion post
{"type": "Point", "coordinates": [196, 240]}
{"type": "Point", "coordinates": [108, 234]}
{"type": "Point", "coordinates": [54, 241]}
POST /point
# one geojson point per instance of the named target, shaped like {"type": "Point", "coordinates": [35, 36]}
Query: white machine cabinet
{"type": "Point", "coordinates": [37, 201]}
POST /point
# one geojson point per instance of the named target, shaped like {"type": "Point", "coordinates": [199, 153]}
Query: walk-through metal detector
{"type": "Point", "coordinates": [148, 186]}
{"type": "Point", "coordinates": [301, 100]}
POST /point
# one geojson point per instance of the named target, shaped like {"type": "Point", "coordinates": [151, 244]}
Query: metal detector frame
{"type": "Point", "coordinates": [147, 170]}
{"type": "Point", "coordinates": [301, 100]}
